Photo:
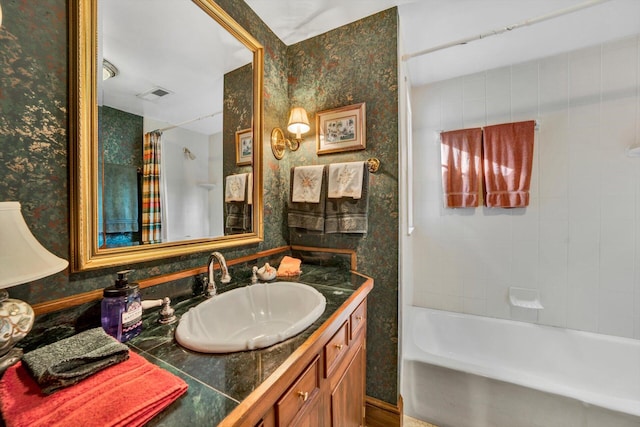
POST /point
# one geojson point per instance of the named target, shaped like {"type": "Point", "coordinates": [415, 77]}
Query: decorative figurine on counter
{"type": "Point", "coordinates": [266, 273]}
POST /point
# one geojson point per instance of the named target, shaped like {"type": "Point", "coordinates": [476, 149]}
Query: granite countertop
{"type": "Point", "coordinates": [219, 382]}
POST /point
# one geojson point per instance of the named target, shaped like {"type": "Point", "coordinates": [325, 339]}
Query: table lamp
{"type": "Point", "coordinates": [22, 259]}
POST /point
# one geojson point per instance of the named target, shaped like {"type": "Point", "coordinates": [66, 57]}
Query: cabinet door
{"type": "Point", "coordinates": [312, 416]}
{"type": "Point", "coordinates": [347, 398]}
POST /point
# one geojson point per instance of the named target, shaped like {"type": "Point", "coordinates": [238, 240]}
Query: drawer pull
{"type": "Point", "coordinates": [304, 395]}
{"type": "Point", "coordinates": [358, 318]}
{"type": "Point", "coordinates": [339, 346]}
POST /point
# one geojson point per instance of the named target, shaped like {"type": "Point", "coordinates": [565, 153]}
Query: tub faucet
{"type": "Point", "coordinates": [210, 288]}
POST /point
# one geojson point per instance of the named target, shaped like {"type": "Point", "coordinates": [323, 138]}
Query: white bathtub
{"type": "Point", "coordinates": [464, 370]}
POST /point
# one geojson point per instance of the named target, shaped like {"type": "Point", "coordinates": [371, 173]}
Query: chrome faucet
{"type": "Point", "coordinates": [210, 288]}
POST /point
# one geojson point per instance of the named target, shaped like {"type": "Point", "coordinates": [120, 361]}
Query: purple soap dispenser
{"type": "Point", "coordinates": [121, 309]}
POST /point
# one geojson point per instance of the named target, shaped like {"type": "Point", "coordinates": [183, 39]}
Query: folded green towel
{"type": "Point", "coordinates": [73, 359]}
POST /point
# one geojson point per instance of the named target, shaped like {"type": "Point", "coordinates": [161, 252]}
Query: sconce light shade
{"type": "Point", "coordinates": [22, 259]}
{"type": "Point", "coordinates": [298, 122]}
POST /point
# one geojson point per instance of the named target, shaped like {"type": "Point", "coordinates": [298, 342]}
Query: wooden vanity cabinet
{"type": "Point", "coordinates": [345, 373]}
{"type": "Point", "coordinates": [330, 390]}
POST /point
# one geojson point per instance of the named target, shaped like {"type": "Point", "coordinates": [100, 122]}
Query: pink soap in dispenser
{"type": "Point", "coordinates": [121, 309]}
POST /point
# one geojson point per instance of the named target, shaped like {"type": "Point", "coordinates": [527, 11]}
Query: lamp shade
{"type": "Point", "coordinates": [298, 122]}
{"type": "Point", "coordinates": [22, 258]}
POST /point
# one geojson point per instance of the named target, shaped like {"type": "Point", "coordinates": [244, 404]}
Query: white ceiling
{"type": "Point", "coordinates": [187, 58]}
{"type": "Point", "coordinates": [423, 24]}
{"type": "Point", "coordinates": [429, 23]}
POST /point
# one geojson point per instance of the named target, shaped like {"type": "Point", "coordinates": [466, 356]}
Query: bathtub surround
{"type": "Point", "coordinates": [578, 240]}
{"type": "Point", "coordinates": [472, 371]}
{"type": "Point", "coordinates": [355, 62]}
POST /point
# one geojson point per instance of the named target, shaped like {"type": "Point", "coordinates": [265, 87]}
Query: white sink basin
{"type": "Point", "coordinates": [251, 317]}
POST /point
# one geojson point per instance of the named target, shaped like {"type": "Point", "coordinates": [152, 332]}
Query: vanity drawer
{"type": "Point", "coordinates": [299, 395]}
{"type": "Point", "coordinates": [336, 348]}
{"type": "Point", "coordinates": [358, 319]}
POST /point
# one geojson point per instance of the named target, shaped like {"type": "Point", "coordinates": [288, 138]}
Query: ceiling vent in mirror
{"type": "Point", "coordinates": [154, 93]}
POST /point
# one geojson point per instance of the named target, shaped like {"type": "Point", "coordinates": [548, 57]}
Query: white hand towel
{"type": "Point", "coordinates": [307, 183]}
{"type": "Point", "coordinates": [345, 180]}
{"type": "Point", "coordinates": [235, 186]}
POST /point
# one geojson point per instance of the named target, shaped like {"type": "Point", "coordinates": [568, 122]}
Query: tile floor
{"type": "Point", "coordinates": [412, 422]}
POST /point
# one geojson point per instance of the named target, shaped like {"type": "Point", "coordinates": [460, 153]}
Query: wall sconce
{"type": "Point", "coordinates": [22, 259]}
{"type": "Point", "coordinates": [298, 124]}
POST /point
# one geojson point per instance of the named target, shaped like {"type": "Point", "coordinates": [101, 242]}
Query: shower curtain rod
{"type": "Point", "coordinates": [187, 122]}
{"type": "Point", "coordinates": [525, 23]}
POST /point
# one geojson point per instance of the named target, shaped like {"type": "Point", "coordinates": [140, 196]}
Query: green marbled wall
{"type": "Point", "coordinates": [352, 64]}
{"type": "Point", "coordinates": [120, 136]}
{"type": "Point", "coordinates": [237, 116]}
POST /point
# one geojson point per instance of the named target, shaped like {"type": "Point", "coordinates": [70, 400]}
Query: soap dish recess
{"type": "Point", "coordinates": [525, 298]}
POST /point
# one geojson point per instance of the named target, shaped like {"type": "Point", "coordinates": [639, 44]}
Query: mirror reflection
{"type": "Point", "coordinates": [175, 103]}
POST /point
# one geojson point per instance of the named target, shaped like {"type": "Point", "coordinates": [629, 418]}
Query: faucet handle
{"type": "Point", "coordinates": [254, 276]}
{"type": "Point", "coordinates": [167, 314]}
{"type": "Point", "coordinates": [150, 303]}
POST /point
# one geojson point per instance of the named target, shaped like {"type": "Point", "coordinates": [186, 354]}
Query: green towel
{"type": "Point", "coordinates": [120, 199]}
{"type": "Point", "coordinates": [73, 359]}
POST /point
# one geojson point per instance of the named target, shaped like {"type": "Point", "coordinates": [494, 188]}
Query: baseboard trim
{"type": "Point", "coordinates": [382, 414]}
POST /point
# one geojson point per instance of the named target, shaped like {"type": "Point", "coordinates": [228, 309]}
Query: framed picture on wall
{"type": "Point", "coordinates": [341, 129]}
{"type": "Point", "coordinates": [244, 147]}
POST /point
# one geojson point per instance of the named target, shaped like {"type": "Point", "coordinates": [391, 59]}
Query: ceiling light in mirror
{"type": "Point", "coordinates": [108, 70]}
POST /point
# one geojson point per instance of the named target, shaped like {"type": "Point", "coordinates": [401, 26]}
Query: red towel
{"type": "Point", "coordinates": [508, 157]}
{"type": "Point", "coordinates": [460, 152]}
{"type": "Point", "coordinates": [127, 394]}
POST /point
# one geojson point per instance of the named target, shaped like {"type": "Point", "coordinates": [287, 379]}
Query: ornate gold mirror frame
{"type": "Point", "coordinates": [83, 141]}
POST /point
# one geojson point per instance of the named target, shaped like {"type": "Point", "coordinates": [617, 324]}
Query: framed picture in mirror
{"type": "Point", "coordinates": [244, 147]}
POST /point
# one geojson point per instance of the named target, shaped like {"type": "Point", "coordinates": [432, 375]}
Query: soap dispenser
{"type": "Point", "coordinates": [121, 309]}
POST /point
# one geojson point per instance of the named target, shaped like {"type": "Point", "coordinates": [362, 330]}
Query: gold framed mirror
{"type": "Point", "coordinates": [97, 180]}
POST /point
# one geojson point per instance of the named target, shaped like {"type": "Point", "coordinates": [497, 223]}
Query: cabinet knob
{"type": "Point", "coordinates": [339, 346]}
{"type": "Point", "coordinates": [304, 395]}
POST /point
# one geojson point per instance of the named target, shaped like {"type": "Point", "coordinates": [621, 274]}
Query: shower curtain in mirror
{"type": "Point", "coordinates": [151, 209]}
